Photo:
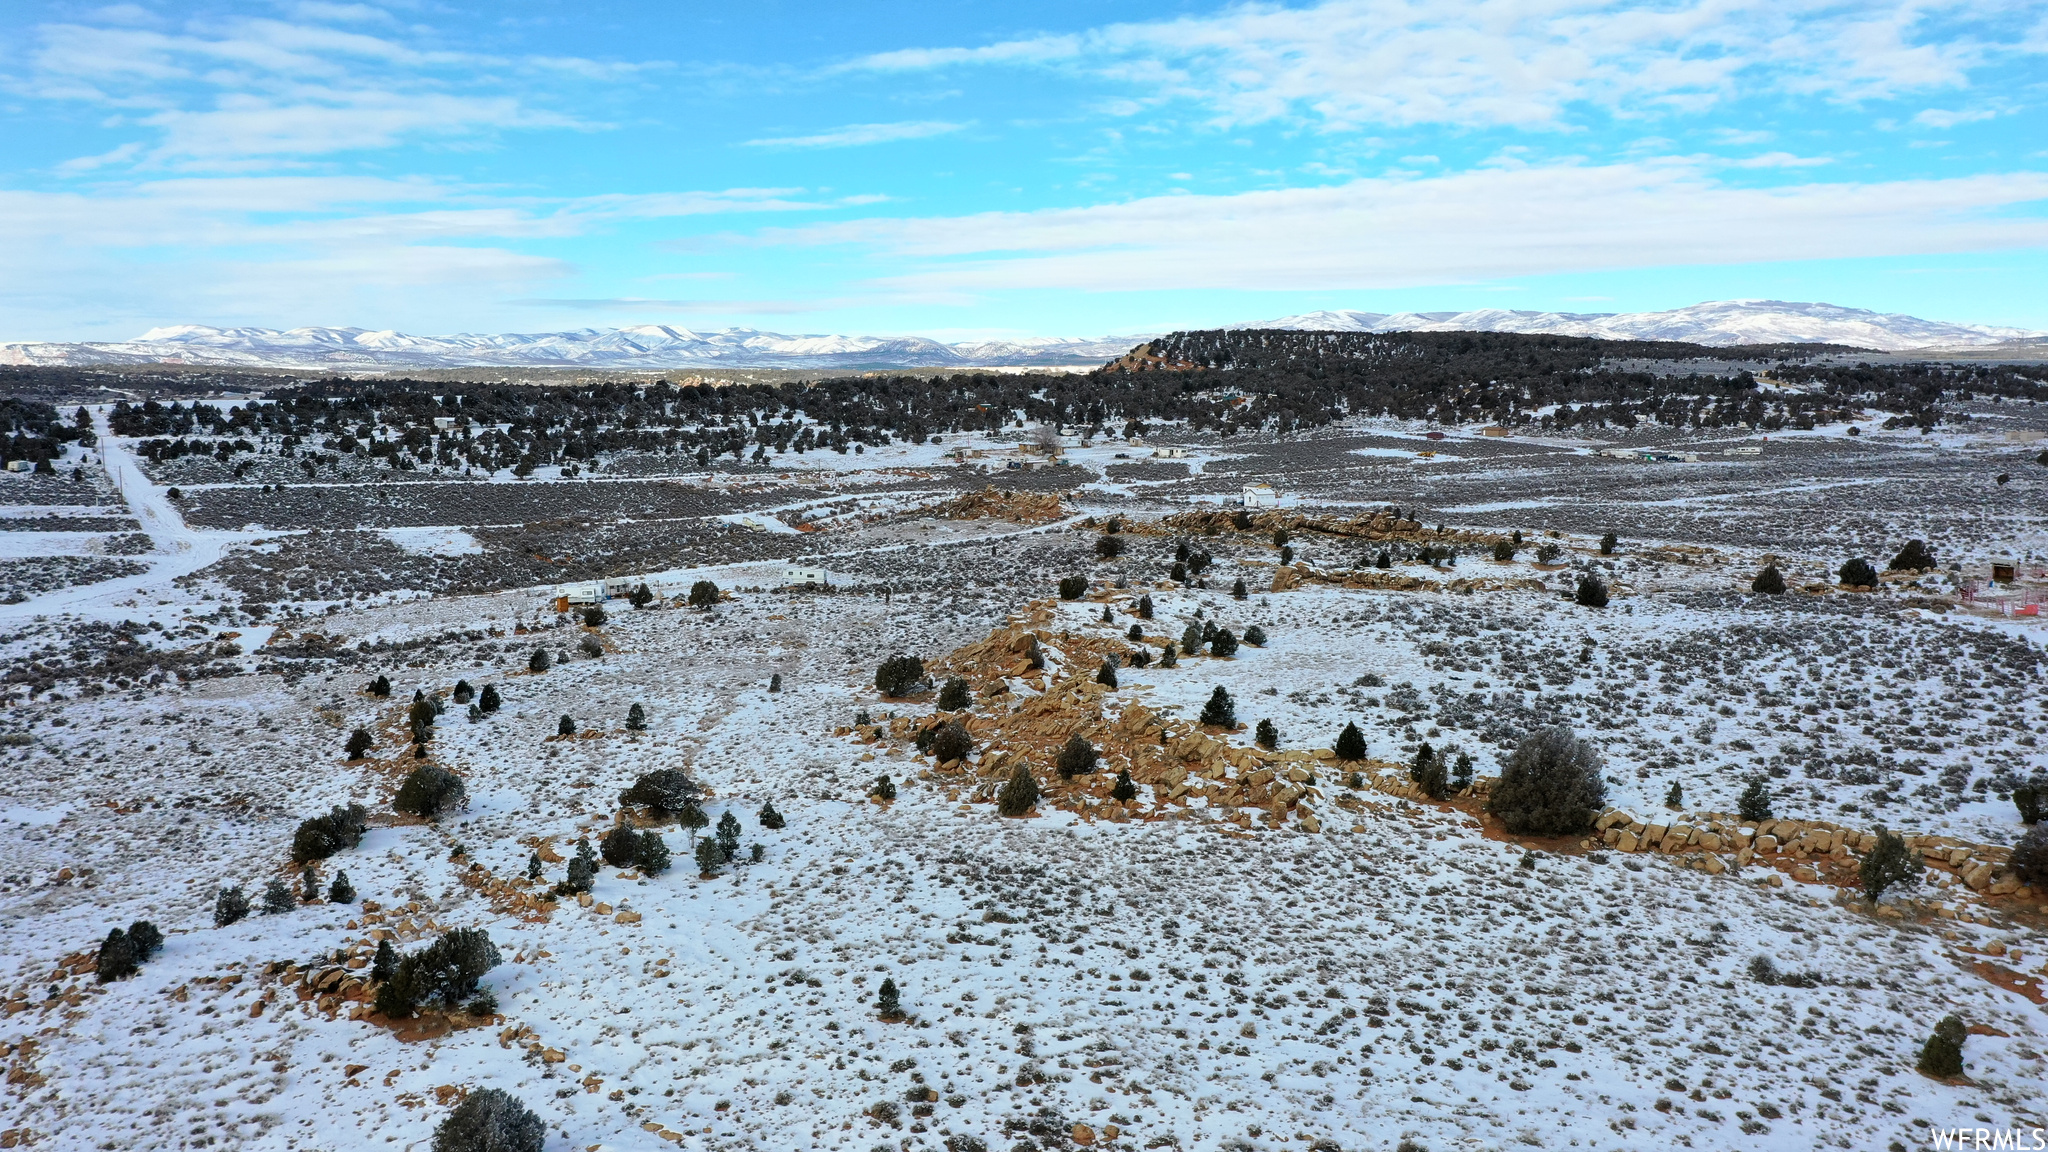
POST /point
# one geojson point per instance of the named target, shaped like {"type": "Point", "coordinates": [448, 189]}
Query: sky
{"type": "Point", "coordinates": [975, 170]}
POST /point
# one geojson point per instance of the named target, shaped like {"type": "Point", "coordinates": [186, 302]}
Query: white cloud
{"type": "Point", "coordinates": [1351, 63]}
{"type": "Point", "coordinates": [854, 135]}
{"type": "Point", "coordinates": [1471, 226]}
{"type": "Point", "coordinates": [225, 94]}
{"type": "Point", "coordinates": [1944, 118]}
{"type": "Point", "coordinates": [1782, 160]}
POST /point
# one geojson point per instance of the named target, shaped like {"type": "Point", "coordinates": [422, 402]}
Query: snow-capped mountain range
{"type": "Point", "coordinates": [1717, 323]}
{"type": "Point", "coordinates": [658, 346]}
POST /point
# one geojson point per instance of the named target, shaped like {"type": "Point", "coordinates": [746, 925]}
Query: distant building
{"type": "Point", "coordinates": [2025, 435]}
{"type": "Point", "coordinates": [1169, 453]}
{"type": "Point", "coordinates": [21, 465]}
{"type": "Point", "coordinates": [1267, 496]}
{"type": "Point", "coordinates": [1495, 430]}
{"type": "Point", "coordinates": [569, 596]}
{"type": "Point", "coordinates": [794, 577]}
{"type": "Point", "coordinates": [2003, 571]}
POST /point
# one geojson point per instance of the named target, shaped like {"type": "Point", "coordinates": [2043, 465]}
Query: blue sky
{"type": "Point", "coordinates": [966, 169]}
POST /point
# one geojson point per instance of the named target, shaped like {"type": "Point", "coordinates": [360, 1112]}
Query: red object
{"type": "Point", "coordinates": [1433, 436]}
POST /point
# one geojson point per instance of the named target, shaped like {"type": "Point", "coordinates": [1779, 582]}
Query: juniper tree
{"type": "Point", "coordinates": [428, 791]}
{"type": "Point", "coordinates": [1889, 864]}
{"type": "Point", "coordinates": [619, 844]}
{"type": "Point", "coordinates": [341, 891]}
{"type": "Point", "coordinates": [1385, 559]}
{"type": "Point", "coordinates": [1223, 644]}
{"type": "Point", "coordinates": [1019, 794]}
{"type": "Point", "coordinates": [1221, 710]}
{"type": "Point", "coordinates": [1857, 573]}
{"type": "Point", "coordinates": [1916, 556]}
{"type": "Point", "coordinates": [144, 940]}
{"type": "Point", "coordinates": [1280, 537]}
{"type": "Point", "coordinates": [651, 855]}
{"type": "Point", "coordinates": [1550, 785]}
{"type": "Point", "coordinates": [1424, 757]}
{"type": "Point", "coordinates": [1106, 675]}
{"type": "Point", "coordinates": [1135, 633]}
{"type": "Point", "coordinates": [1942, 1055]}
{"type": "Point", "coordinates": [1754, 805]}
{"type": "Point", "coordinates": [591, 647]}
{"type": "Point", "coordinates": [2030, 800]}
{"type": "Point", "coordinates": [664, 790]}
{"type": "Point", "coordinates": [1255, 636]}
{"type": "Point", "coordinates": [899, 675]}
{"type": "Point", "coordinates": [277, 897]}
{"type": "Point", "coordinates": [1109, 547]}
{"type": "Point", "coordinates": [1268, 737]}
{"type": "Point", "coordinates": [1073, 587]}
{"type": "Point", "coordinates": [951, 742]}
{"type": "Point", "coordinates": [1461, 772]}
{"type": "Point", "coordinates": [1178, 573]}
{"type": "Point", "coordinates": [636, 719]}
{"type": "Point", "coordinates": [775, 682]}
{"type": "Point", "coordinates": [1287, 555]}
{"type": "Point", "coordinates": [889, 1001]}
{"type": "Point", "coordinates": [359, 744]}
{"type": "Point", "coordinates": [593, 617]}
{"type": "Point", "coordinates": [2029, 859]}
{"type": "Point", "coordinates": [490, 1120]}
{"type": "Point", "coordinates": [1433, 779]}
{"type": "Point", "coordinates": [566, 726]}
{"type": "Point", "coordinates": [710, 857]}
{"type": "Point", "coordinates": [1123, 790]}
{"type": "Point", "coordinates": [1238, 591]}
{"type": "Point", "coordinates": [1675, 798]}
{"type": "Point", "coordinates": [535, 868]}
{"type": "Point", "coordinates": [757, 852]}
{"type": "Point", "coordinates": [1592, 591]}
{"type": "Point", "coordinates": [642, 596]}
{"type": "Point", "coordinates": [489, 701]}
{"type": "Point", "coordinates": [336, 830]}
{"type": "Point", "coordinates": [1608, 543]}
{"type": "Point", "coordinates": [1350, 743]}
{"type": "Point", "coordinates": [1169, 656]}
{"type": "Point", "coordinates": [1191, 639]}
{"type": "Point", "coordinates": [1077, 757]}
{"type": "Point", "coordinates": [703, 594]}
{"type": "Point", "coordinates": [309, 885]}
{"type": "Point", "coordinates": [1769, 582]}
{"type": "Point", "coordinates": [116, 957]}
{"type": "Point", "coordinates": [538, 662]}
{"type": "Point", "coordinates": [229, 905]}
{"type": "Point", "coordinates": [954, 697]}
{"type": "Point", "coordinates": [883, 788]}
{"type": "Point", "coordinates": [381, 686]}
{"type": "Point", "coordinates": [729, 833]}
{"type": "Point", "coordinates": [1181, 553]}
{"type": "Point", "coordinates": [770, 818]}
{"type": "Point", "coordinates": [464, 692]}
{"type": "Point", "coordinates": [1144, 608]}
{"type": "Point", "coordinates": [1139, 657]}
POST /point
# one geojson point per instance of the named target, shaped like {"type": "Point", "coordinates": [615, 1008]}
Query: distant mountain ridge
{"type": "Point", "coordinates": [1717, 323]}
{"type": "Point", "coordinates": [660, 347]}
{"type": "Point", "coordinates": [646, 346]}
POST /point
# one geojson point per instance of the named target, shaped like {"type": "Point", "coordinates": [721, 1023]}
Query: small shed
{"type": "Point", "coordinates": [794, 577]}
{"type": "Point", "coordinates": [2004, 571]}
{"type": "Point", "coordinates": [1495, 430]}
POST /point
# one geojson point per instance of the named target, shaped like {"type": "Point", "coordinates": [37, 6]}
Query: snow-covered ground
{"type": "Point", "coordinates": [1406, 975]}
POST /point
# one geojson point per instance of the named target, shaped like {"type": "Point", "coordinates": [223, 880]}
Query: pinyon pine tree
{"type": "Point", "coordinates": [490, 1120]}
{"type": "Point", "coordinates": [1020, 794]}
{"type": "Point", "coordinates": [1124, 790]}
{"type": "Point", "coordinates": [341, 891]}
{"type": "Point", "coordinates": [1942, 1055]}
{"type": "Point", "coordinates": [1769, 582]}
{"type": "Point", "coordinates": [770, 818]}
{"type": "Point", "coordinates": [1754, 805]}
{"type": "Point", "coordinates": [1077, 757]}
{"type": "Point", "coordinates": [954, 696]}
{"type": "Point", "coordinates": [1889, 864]}
{"type": "Point", "coordinates": [1350, 743]}
{"type": "Point", "coordinates": [229, 905]}
{"type": "Point", "coordinates": [1221, 710]}
{"type": "Point", "coordinates": [889, 1001]}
